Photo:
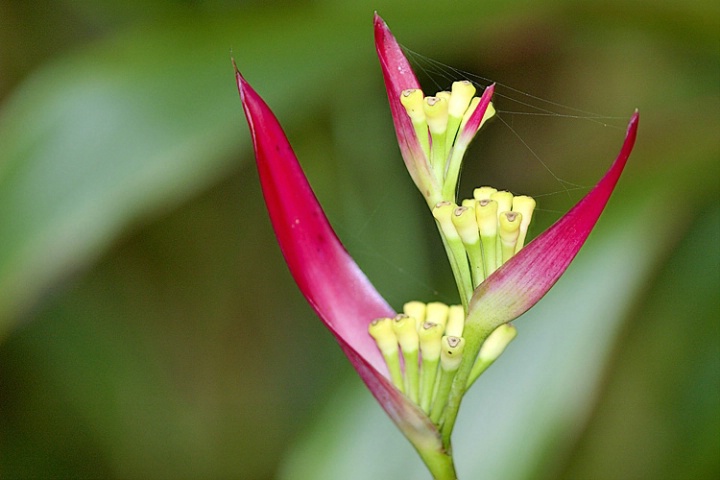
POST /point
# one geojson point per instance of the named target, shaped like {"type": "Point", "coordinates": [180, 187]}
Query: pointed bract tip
{"type": "Point", "coordinates": [381, 28]}
{"type": "Point", "coordinates": [631, 133]}
{"type": "Point", "coordinates": [241, 82]}
{"type": "Point", "coordinates": [634, 120]}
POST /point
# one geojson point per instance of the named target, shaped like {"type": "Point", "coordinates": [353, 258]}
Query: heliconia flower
{"type": "Point", "coordinates": [350, 306]}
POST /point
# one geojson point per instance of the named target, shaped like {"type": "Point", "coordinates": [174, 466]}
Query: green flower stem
{"type": "Point", "coordinates": [412, 377]}
{"type": "Point", "coordinates": [430, 344]}
{"type": "Point", "coordinates": [451, 355]}
{"type": "Point", "coordinates": [461, 270]}
{"type": "Point", "coordinates": [393, 363]}
{"type": "Point", "coordinates": [452, 172]}
{"type": "Point", "coordinates": [443, 393]}
{"type": "Point", "coordinates": [382, 331]}
{"type": "Point", "coordinates": [428, 374]}
{"type": "Point", "coordinates": [474, 253]}
{"type": "Point", "coordinates": [405, 329]}
{"type": "Point", "coordinates": [437, 154]}
{"type": "Point", "coordinates": [475, 334]}
{"type": "Point", "coordinates": [440, 463]}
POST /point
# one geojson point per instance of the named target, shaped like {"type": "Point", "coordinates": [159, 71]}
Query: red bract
{"type": "Point", "coordinates": [328, 277]}
{"type": "Point", "coordinates": [527, 277]}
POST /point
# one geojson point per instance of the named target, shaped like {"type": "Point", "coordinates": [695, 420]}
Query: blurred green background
{"type": "Point", "coordinates": [149, 327]}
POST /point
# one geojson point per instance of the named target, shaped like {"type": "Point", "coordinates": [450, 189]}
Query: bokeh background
{"type": "Point", "coordinates": [148, 325]}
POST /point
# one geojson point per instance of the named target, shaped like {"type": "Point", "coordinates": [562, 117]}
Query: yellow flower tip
{"type": "Point", "coordinates": [510, 225]}
{"type": "Point", "coordinates": [443, 212]}
{"type": "Point", "coordinates": [486, 212]}
{"type": "Point", "coordinates": [496, 343]}
{"type": "Point", "coordinates": [437, 312]}
{"type": "Point", "coordinates": [463, 218]}
{"type": "Point", "coordinates": [523, 204]}
{"type": "Point", "coordinates": [451, 352]}
{"type": "Point", "coordinates": [445, 95]}
{"type": "Point", "coordinates": [456, 321]}
{"type": "Point", "coordinates": [483, 193]}
{"type": "Point", "coordinates": [406, 332]}
{"type": "Point", "coordinates": [412, 100]}
{"type": "Point", "coordinates": [468, 202]}
{"type": "Point", "coordinates": [504, 200]}
{"type": "Point", "coordinates": [382, 331]}
{"type": "Point", "coordinates": [443, 209]}
{"type": "Point", "coordinates": [436, 114]}
{"type": "Point", "coordinates": [509, 233]}
{"type": "Point", "coordinates": [462, 94]}
{"type": "Point", "coordinates": [415, 310]}
{"type": "Point", "coordinates": [430, 336]}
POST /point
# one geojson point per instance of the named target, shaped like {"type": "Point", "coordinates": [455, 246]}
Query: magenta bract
{"type": "Point", "coordinates": [328, 277]}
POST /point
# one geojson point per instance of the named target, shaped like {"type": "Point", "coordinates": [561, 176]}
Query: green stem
{"type": "Point", "coordinates": [474, 335]}
{"type": "Point", "coordinates": [452, 173]}
{"type": "Point", "coordinates": [440, 463]}
{"type": "Point", "coordinates": [443, 393]}
{"type": "Point", "coordinates": [428, 374]}
{"type": "Point", "coordinates": [460, 268]}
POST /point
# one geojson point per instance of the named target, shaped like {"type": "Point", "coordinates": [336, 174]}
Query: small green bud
{"type": "Point", "coordinates": [496, 342]}
{"type": "Point", "coordinates": [491, 349]}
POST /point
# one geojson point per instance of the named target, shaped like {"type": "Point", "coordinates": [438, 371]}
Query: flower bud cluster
{"type": "Point", "coordinates": [483, 232]}
{"type": "Point", "coordinates": [429, 339]}
{"type": "Point", "coordinates": [444, 128]}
